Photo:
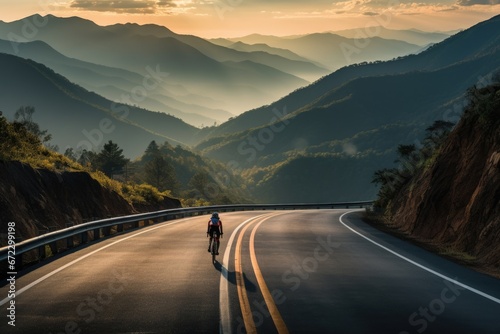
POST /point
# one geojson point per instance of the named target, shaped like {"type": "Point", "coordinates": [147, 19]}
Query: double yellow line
{"type": "Point", "coordinates": [240, 283]}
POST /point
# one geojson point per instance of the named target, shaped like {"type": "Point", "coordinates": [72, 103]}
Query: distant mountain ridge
{"type": "Point", "coordinates": [208, 82]}
{"type": "Point", "coordinates": [81, 119]}
{"type": "Point", "coordinates": [316, 139]}
{"type": "Point", "coordinates": [189, 60]}
{"type": "Point", "coordinates": [465, 45]}
{"type": "Point", "coordinates": [115, 83]}
{"type": "Point", "coordinates": [335, 51]}
{"type": "Point", "coordinates": [412, 36]}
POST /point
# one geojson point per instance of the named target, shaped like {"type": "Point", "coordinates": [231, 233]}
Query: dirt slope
{"type": "Point", "coordinates": [38, 200]}
{"type": "Point", "coordinates": [454, 202]}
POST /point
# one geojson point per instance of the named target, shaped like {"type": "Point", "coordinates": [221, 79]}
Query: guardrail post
{"type": "Point", "coordinates": [83, 237]}
{"type": "Point", "coordinates": [69, 242]}
{"type": "Point", "coordinates": [119, 228]}
{"type": "Point", "coordinates": [97, 233]}
{"type": "Point", "coordinates": [42, 254]}
{"type": "Point", "coordinates": [53, 247]}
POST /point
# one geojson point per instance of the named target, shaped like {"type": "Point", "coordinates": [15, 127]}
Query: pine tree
{"type": "Point", "coordinates": [151, 152]}
{"type": "Point", "coordinates": [24, 116]}
{"type": "Point", "coordinates": [111, 159]}
{"type": "Point", "coordinates": [160, 173]}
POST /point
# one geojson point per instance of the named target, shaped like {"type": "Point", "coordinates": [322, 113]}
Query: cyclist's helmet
{"type": "Point", "coordinates": [215, 215]}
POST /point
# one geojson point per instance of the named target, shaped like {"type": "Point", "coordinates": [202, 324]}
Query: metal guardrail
{"type": "Point", "coordinates": [83, 231]}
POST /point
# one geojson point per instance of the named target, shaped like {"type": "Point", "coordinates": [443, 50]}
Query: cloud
{"type": "Point", "coordinates": [477, 2]}
{"type": "Point", "coordinates": [123, 6]}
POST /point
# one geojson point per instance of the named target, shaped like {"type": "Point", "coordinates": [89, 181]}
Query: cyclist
{"type": "Point", "coordinates": [214, 224]}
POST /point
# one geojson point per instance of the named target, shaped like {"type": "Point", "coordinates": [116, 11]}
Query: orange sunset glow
{"type": "Point", "coordinates": [231, 18]}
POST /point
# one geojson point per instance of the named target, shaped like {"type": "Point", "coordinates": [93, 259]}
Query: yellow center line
{"type": "Point", "coordinates": [240, 283]}
{"type": "Point", "coordinates": [268, 298]}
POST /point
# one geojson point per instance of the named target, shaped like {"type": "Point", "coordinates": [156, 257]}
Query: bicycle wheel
{"type": "Point", "coordinates": [214, 250]}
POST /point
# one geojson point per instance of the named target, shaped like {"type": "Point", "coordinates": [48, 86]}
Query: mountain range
{"type": "Point", "coordinates": [324, 141]}
{"type": "Point", "coordinates": [413, 36]}
{"type": "Point", "coordinates": [332, 50]}
{"type": "Point", "coordinates": [207, 82]}
{"type": "Point", "coordinates": [226, 79]}
{"type": "Point", "coordinates": [318, 142]}
{"type": "Point", "coordinates": [81, 119]}
{"type": "Point", "coordinates": [117, 84]}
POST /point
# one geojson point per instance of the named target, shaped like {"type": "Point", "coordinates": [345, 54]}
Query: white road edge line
{"type": "Point", "coordinates": [43, 278]}
{"type": "Point", "coordinates": [225, 316]}
{"type": "Point", "coordinates": [478, 292]}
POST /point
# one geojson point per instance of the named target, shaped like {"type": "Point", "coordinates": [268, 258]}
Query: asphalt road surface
{"type": "Point", "coordinates": [311, 271]}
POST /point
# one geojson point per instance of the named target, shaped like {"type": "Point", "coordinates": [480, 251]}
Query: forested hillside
{"type": "Point", "coordinates": [329, 137]}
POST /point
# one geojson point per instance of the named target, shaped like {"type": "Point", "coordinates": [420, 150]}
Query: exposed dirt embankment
{"type": "Point", "coordinates": [454, 202]}
{"type": "Point", "coordinates": [38, 200]}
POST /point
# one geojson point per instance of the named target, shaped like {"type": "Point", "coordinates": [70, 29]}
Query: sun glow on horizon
{"type": "Point", "coordinates": [236, 18]}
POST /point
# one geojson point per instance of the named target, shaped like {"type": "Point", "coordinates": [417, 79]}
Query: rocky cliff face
{"type": "Point", "coordinates": [38, 200]}
{"type": "Point", "coordinates": [455, 200]}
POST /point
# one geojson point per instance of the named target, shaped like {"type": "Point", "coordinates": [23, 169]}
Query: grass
{"type": "Point", "coordinates": [18, 144]}
{"type": "Point", "coordinates": [448, 251]}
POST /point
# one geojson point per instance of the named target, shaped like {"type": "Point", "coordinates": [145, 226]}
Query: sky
{"type": "Point", "coordinates": [234, 18]}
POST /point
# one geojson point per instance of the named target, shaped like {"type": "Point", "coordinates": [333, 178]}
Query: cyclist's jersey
{"type": "Point", "coordinates": [214, 223]}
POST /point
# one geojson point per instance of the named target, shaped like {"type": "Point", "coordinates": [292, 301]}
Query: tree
{"type": "Point", "coordinates": [199, 181]}
{"type": "Point", "coordinates": [390, 182]}
{"type": "Point", "coordinates": [87, 158]}
{"type": "Point", "coordinates": [24, 116]}
{"type": "Point", "coordinates": [151, 152]}
{"type": "Point", "coordinates": [111, 159]}
{"type": "Point", "coordinates": [405, 151]}
{"type": "Point", "coordinates": [160, 174]}
{"type": "Point", "coordinates": [438, 131]}
{"type": "Point", "coordinates": [70, 153]}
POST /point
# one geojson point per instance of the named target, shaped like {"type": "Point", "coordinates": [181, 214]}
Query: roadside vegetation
{"type": "Point", "coordinates": [162, 171]}
{"type": "Point", "coordinates": [451, 179]}
{"type": "Point", "coordinates": [411, 160]}
{"type": "Point", "coordinates": [482, 107]}
{"type": "Point", "coordinates": [22, 140]}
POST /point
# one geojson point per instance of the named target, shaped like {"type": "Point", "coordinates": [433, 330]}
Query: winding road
{"type": "Point", "coordinates": [295, 271]}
